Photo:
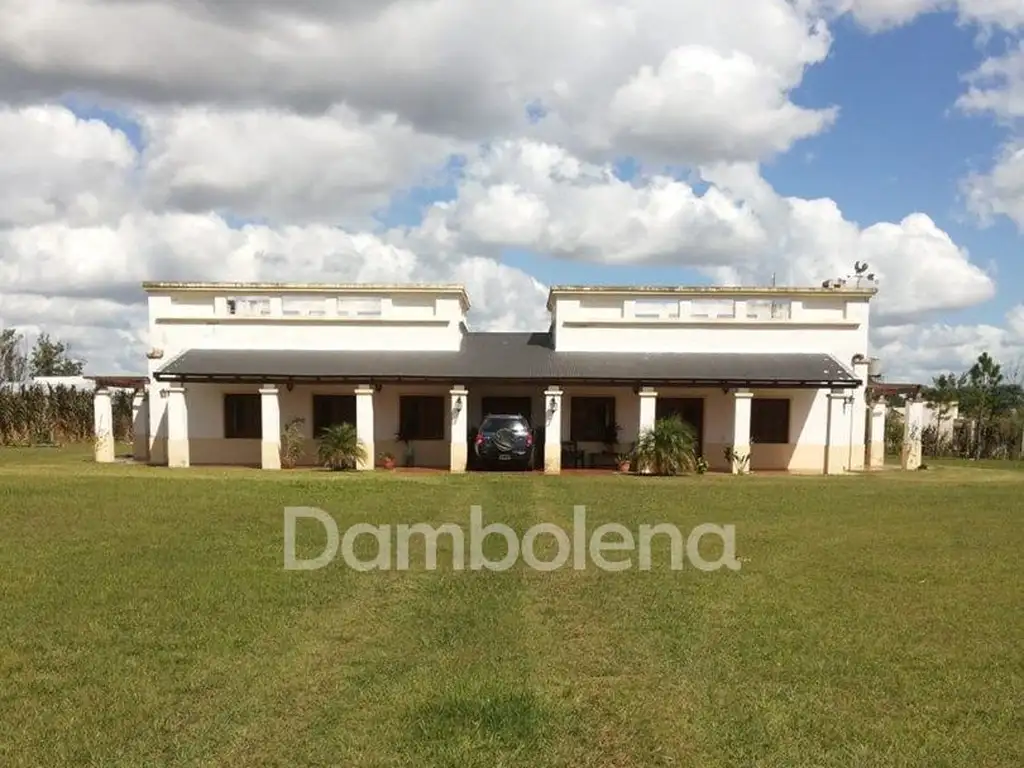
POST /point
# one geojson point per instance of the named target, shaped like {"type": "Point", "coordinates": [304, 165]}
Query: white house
{"type": "Point", "coordinates": [776, 374]}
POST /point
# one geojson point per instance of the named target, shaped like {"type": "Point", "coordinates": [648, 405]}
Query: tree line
{"type": "Point", "coordinates": [990, 413]}
{"type": "Point", "coordinates": [49, 357]}
{"type": "Point", "coordinates": [48, 415]}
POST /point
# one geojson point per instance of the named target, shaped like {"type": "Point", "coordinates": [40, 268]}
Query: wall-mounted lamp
{"type": "Point", "coordinates": [553, 404]}
{"type": "Point", "coordinates": [458, 405]}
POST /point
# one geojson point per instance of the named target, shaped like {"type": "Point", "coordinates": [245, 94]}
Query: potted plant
{"type": "Point", "coordinates": [739, 462]}
{"type": "Point", "coordinates": [623, 461]}
{"type": "Point", "coordinates": [340, 448]}
{"type": "Point", "coordinates": [387, 460]}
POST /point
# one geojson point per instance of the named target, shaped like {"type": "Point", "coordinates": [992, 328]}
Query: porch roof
{"type": "Point", "coordinates": [511, 357]}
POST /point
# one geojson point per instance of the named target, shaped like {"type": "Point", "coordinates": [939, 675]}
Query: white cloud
{"type": "Point", "coordinates": [677, 110]}
{"type": "Point", "coordinates": [918, 352]}
{"type": "Point", "coordinates": [1015, 323]}
{"type": "Point", "coordinates": [1000, 191]}
{"type": "Point", "coordinates": [537, 196]}
{"type": "Point", "coordinates": [997, 88]}
{"type": "Point", "coordinates": [288, 167]}
{"type": "Point", "coordinates": [444, 66]}
{"type": "Point", "coordinates": [56, 167]}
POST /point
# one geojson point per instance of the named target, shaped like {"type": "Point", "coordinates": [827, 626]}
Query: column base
{"type": "Point", "coordinates": [270, 455]}
{"type": "Point", "coordinates": [177, 454]}
{"type": "Point", "coordinates": [877, 455]}
{"type": "Point", "coordinates": [553, 464]}
{"type": "Point", "coordinates": [458, 458]}
{"type": "Point", "coordinates": [371, 459]}
{"type": "Point", "coordinates": [105, 449]}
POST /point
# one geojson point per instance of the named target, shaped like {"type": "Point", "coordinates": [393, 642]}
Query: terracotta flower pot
{"type": "Point", "coordinates": [389, 463]}
{"type": "Point", "coordinates": [623, 466]}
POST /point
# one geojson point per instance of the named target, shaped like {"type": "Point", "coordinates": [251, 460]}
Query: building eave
{"type": "Point", "coordinates": [683, 291]}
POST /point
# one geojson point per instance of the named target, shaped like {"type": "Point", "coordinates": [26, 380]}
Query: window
{"type": "Point", "coordinates": [243, 417]}
{"type": "Point", "coordinates": [590, 417]}
{"type": "Point", "coordinates": [659, 308]}
{"type": "Point", "coordinates": [421, 417]}
{"type": "Point", "coordinates": [249, 306]}
{"type": "Point", "coordinates": [769, 421]}
{"type": "Point", "coordinates": [362, 307]}
{"type": "Point", "coordinates": [689, 409]}
{"type": "Point", "coordinates": [331, 410]}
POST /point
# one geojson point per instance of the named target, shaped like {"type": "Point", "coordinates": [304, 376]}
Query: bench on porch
{"type": "Point", "coordinates": [572, 456]}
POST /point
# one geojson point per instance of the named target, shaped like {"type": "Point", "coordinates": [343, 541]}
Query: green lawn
{"type": "Point", "coordinates": [147, 620]}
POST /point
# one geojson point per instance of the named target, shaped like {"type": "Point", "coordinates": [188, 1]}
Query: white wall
{"type": "Point", "coordinates": [836, 325]}
{"type": "Point", "coordinates": [182, 320]}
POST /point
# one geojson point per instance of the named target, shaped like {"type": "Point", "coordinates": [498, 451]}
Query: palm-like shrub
{"type": "Point", "coordinates": [669, 448]}
{"type": "Point", "coordinates": [340, 447]}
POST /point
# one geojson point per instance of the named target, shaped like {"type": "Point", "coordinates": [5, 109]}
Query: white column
{"type": "Point", "coordinates": [140, 425]}
{"type": "Point", "coordinates": [648, 410]}
{"type": "Point", "coordinates": [552, 430]}
{"type": "Point", "coordinates": [270, 445]}
{"type": "Point", "coordinates": [364, 424]}
{"type": "Point", "coordinates": [460, 428]}
{"type": "Point", "coordinates": [741, 430]}
{"type": "Point", "coordinates": [859, 421]}
{"type": "Point", "coordinates": [877, 450]}
{"type": "Point", "coordinates": [177, 427]}
{"type": "Point", "coordinates": [648, 415]}
{"type": "Point", "coordinates": [157, 399]}
{"type": "Point", "coordinates": [103, 426]}
{"type": "Point", "coordinates": [913, 426]}
{"type": "Point", "coordinates": [837, 450]}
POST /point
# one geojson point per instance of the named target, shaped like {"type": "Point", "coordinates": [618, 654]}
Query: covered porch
{"type": "Point", "coordinates": [781, 412]}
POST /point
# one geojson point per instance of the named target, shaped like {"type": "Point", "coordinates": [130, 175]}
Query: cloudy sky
{"type": "Point", "coordinates": [510, 146]}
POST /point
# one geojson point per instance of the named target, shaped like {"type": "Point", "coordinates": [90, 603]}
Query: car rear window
{"type": "Point", "coordinates": [493, 424]}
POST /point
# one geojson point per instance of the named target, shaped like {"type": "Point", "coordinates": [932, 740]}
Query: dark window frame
{"type": "Point", "coordinates": [770, 420]}
{"type": "Point", "coordinates": [243, 416]}
{"type": "Point", "coordinates": [678, 406]}
{"type": "Point", "coordinates": [422, 417]}
{"type": "Point", "coordinates": [328, 411]}
{"type": "Point", "coordinates": [584, 426]}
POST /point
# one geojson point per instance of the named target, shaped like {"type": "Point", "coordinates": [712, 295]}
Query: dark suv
{"type": "Point", "coordinates": [504, 441]}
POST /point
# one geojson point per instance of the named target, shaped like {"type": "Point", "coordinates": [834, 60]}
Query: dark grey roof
{"type": "Point", "coordinates": [511, 357]}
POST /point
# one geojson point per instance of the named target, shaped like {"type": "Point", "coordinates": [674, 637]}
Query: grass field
{"type": "Point", "coordinates": [147, 620]}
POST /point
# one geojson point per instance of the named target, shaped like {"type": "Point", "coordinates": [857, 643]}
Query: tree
{"type": "Point", "coordinates": [13, 363]}
{"type": "Point", "coordinates": [50, 358]}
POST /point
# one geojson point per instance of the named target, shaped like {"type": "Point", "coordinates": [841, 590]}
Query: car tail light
{"type": "Point", "coordinates": [529, 440]}
{"type": "Point", "coordinates": [479, 439]}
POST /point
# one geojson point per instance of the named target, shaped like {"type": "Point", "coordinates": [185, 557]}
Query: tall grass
{"type": "Point", "coordinates": [36, 414]}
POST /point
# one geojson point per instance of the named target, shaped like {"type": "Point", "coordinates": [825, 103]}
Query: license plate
{"type": "Point", "coordinates": [504, 457]}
